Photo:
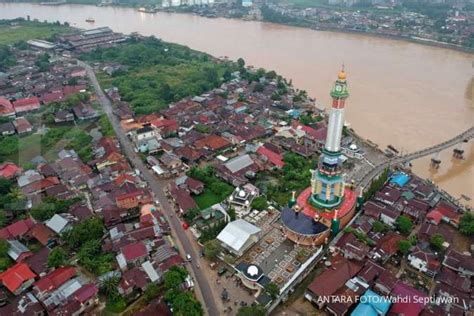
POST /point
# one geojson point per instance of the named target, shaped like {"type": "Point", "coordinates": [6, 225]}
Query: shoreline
{"type": "Point", "coordinates": [409, 39]}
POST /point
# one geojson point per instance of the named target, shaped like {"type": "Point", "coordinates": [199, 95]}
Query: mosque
{"type": "Point", "coordinates": [328, 204]}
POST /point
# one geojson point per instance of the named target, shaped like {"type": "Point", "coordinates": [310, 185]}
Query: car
{"type": "Point", "coordinates": [222, 270]}
{"type": "Point", "coordinates": [188, 257]}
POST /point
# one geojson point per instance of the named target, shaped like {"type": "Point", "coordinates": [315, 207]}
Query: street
{"type": "Point", "coordinates": [157, 187]}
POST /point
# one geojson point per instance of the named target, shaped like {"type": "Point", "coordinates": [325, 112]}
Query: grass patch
{"type": "Point", "coordinates": [116, 305]}
{"type": "Point", "coordinates": [207, 199]}
{"type": "Point", "coordinates": [26, 30]}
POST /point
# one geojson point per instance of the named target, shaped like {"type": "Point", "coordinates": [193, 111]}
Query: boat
{"type": "Point", "coordinates": [147, 10]}
{"type": "Point", "coordinates": [90, 20]}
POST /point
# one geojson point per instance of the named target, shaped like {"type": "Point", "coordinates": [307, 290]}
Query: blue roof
{"type": "Point", "coordinates": [372, 304]}
{"type": "Point", "coordinates": [301, 223]}
{"type": "Point", "coordinates": [400, 179]}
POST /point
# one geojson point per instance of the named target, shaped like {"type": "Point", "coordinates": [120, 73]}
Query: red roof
{"type": "Point", "coordinates": [85, 293]}
{"type": "Point", "coordinates": [67, 90]}
{"type": "Point", "coordinates": [447, 211]}
{"type": "Point", "coordinates": [213, 142]}
{"type": "Point", "coordinates": [26, 104]}
{"type": "Point", "coordinates": [319, 134]}
{"type": "Point", "coordinates": [166, 125]}
{"type": "Point", "coordinates": [19, 228]}
{"type": "Point", "coordinates": [52, 96]}
{"type": "Point", "coordinates": [42, 233]}
{"type": "Point", "coordinates": [55, 279]}
{"type": "Point", "coordinates": [16, 275]}
{"type": "Point", "coordinates": [273, 157]}
{"type": "Point", "coordinates": [9, 170]}
{"type": "Point", "coordinates": [389, 243]}
{"type": "Point", "coordinates": [411, 303]}
{"type": "Point", "coordinates": [134, 251]}
{"type": "Point", "coordinates": [6, 107]}
{"type": "Point", "coordinates": [434, 216]}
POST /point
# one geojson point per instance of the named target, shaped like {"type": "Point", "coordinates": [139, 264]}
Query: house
{"type": "Point", "coordinates": [237, 236]}
{"type": "Point", "coordinates": [389, 216]}
{"type": "Point", "coordinates": [332, 279]}
{"type": "Point", "coordinates": [424, 261]}
{"type": "Point", "coordinates": [7, 129]}
{"type": "Point", "coordinates": [171, 161]}
{"type": "Point", "coordinates": [60, 223]}
{"type": "Point", "coordinates": [388, 195]}
{"type": "Point", "coordinates": [166, 126]}
{"type": "Point", "coordinates": [386, 247]}
{"type": "Point", "coordinates": [212, 142]}
{"type": "Point", "coordinates": [132, 255]}
{"type": "Point", "coordinates": [194, 186]}
{"type": "Point", "coordinates": [444, 212]}
{"type": "Point", "coordinates": [22, 126]}
{"type": "Point", "coordinates": [54, 96]}
{"type": "Point", "coordinates": [242, 197]}
{"type": "Point", "coordinates": [62, 116]}
{"type": "Point", "coordinates": [132, 280]}
{"type": "Point", "coordinates": [183, 199]}
{"type": "Point", "coordinates": [84, 112]}
{"type": "Point", "coordinates": [408, 301]}
{"type": "Point", "coordinates": [38, 262]}
{"type": "Point", "coordinates": [146, 132]}
{"type": "Point", "coordinates": [42, 234]}
{"type": "Point", "coordinates": [372, 304]}
{"type": "Point", "coordinates": [17, 230]}
{"type": "Point", "coordinates": [385, 283]}
{"type": "Point", "coordinates": [460, 263]}
{"type": "Point", "coordinates": [23, 305]}
{"type": "Point", "coordinates": [17, 278]}
{"type": "Point", "coordinates": [18, 251]}
{"type": "Point", "coordinates": [6, 108]}
{"type": "Point", "coordinates": [26, 105]}
{"type": "Point", "coordinates": [9, 170]}
{"type": "Point", "coordinates": [132, 199]}
{"type": "Point", "coordinates": [48, 284]}
{"type": "Point", "coordinates": [80, 301]}
{"type": "Point", "coordinates": [238, 170]}
{"type": "Point", "coordinates": [274, 158]}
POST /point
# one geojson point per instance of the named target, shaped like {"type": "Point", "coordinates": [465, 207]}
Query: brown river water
{"type": "Point", "coordinates": [404, 94]}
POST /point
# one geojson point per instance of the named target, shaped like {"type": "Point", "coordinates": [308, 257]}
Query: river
{"type": "Point", "coordinates": [405, 94]}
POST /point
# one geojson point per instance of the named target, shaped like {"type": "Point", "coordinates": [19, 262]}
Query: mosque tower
{"type": "Point", "coordinates": [327, 183]}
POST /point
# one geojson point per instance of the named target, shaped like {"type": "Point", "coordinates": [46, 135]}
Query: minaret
{"type": "Point", "coordinates": [326, 182]}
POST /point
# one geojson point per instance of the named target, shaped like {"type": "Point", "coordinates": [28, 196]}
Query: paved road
{"type": "Point", "coordinates": [157, 187]}
{"type": "Point", "coordinates": [466, 135]}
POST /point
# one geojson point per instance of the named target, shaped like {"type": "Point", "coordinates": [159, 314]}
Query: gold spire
{"type": "Point", "coordinates": [342, 74]}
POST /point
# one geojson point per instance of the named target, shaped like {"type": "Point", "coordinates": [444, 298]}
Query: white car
{"type": "Point", "coordinates": [188, 257]}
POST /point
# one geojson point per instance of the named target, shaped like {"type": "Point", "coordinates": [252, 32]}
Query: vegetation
{"type": "Point", "coordinates": [25, 30]}
{"type": "Point", "coordinates": [272, 289]}
{"type": "Point", "coordinates": [259, 203]}
{"type": "Point", "coordinates": [436, 242]}
{"type": "Point", "coordinates": [252, 310]}
{"type": "Point", "coordinates": [212, 248]}
{"type": "Point", "coordinates": [57, 257]}
{"type": "Point", "coordinates": [160, 73]}
{"type": "Point", "coordinates": [404, 224]}
{"type": "Point", "coordinates": [404, 246]}
{"type": "Point", "coordinates": [11, 198]}
{"type": "Point", "coordinates": [211, 232]}
{"type": "Point", "coordinates": [85, 238]}
{"type": "Point", "coordinates": [50, 206]}
{"type": "Point", "coordinates": [378, 227]}
{"type": "Point", "coordinates": [294, 176]}
{"type": "Point", "coordinates": [151, 292]}
{"type": "Point", "coordinates": [183, 303]}
{"type": "Point", "coordinates": [215, 189]}
{"type": "Point", "coordinates": [6, 58]}
{"type": "Point", "coordinates": [106, 127]}
{"type": "Point", "coordinates": [376, 185]}
{"type": "Point", "coordinates": [466, 224]}
{"type": "Point", "coordinates": [5, 261]}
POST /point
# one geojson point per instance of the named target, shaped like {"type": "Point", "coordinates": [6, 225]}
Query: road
{"type": "Point", "coordinates": [157, 187]}
{"type": "Point", "coordinates": [466, 135]}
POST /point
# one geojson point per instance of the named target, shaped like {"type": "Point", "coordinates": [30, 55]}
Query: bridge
{"type": "Point", "coordinates": [372, 174]}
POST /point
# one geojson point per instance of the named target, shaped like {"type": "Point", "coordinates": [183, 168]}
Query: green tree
{"type": "Point", "coordinates": [272, 289]}
{"type": "Point", "coordinates": [241, 62]}
{"type": "Point", "coordinates": [4, 247]}
{"type": "Point", "coordinates": [404, 224]}
{"type": "Point", "coordinates": [253, 310]}
{"type": "Point", "coordinates": [185, 304]}
{"type": "Point", "coordinates": [108, 286]}
{"type": "Point", "coordinates": [404, 246]}
{"type": "Point", "coordinates": [466, 224]}
{"type": "Point", "coordinates": [258, 87]}
{"type": "Point", "coordinates": [212, 248]}
{"type": "Point", "coordinates": [436, 242]}
{"type": "Point", "coordinates": [174, 277]}
{"type": "Point", "coordinates": [151, 292]}
{"type": "Point", "coordinates": [259, 203]}
{"type": "Point", "coordinates": [50, 206]}
{"type": "Point", "coordinates": [378, 227]}
{"type": "Point", "coordinates": [57, 257]}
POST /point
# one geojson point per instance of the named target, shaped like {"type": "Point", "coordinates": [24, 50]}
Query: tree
{"type": "Point", "coordinates": [231, 213]}
{"type": "Point", "coordinates": [108, 286]}
{"type": "Point", "coordinates": [272, 289]}
{"type": "Point", "coordinates": [378, 227]}
{"type": "Point", "coordinates": [57, 257]}
{"type": "Point", "coordinates": [151, 292]}
{"type": "Point", "coordinates": [258, 87]}
{"type": "Point", "coordinates": [404, 224]}
{"type": "Point", "coordinates": [437, 241]}
{"type": "Point", "coordinates": [185, 304]}
{"type": "Point", "coordinates": [253, 310]}
{"type": "Point", "coordinates": [404, 246]}
{"type": "Point", "coordinates": [4, 247]}
{"type": "Point", "coordinates": [174, 277]}
{"type": "Point", "coordinates": [259, 203]}
{"type": "Point", "coordinates": [241, 62]}
{"type": "Point", "coordinates": [212, 248]}
{"type": "Point", "coordinates": [466, 224]}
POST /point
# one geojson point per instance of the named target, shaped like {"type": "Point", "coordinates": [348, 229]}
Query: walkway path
{"type": "Point", "coordinates": [158, 189]}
